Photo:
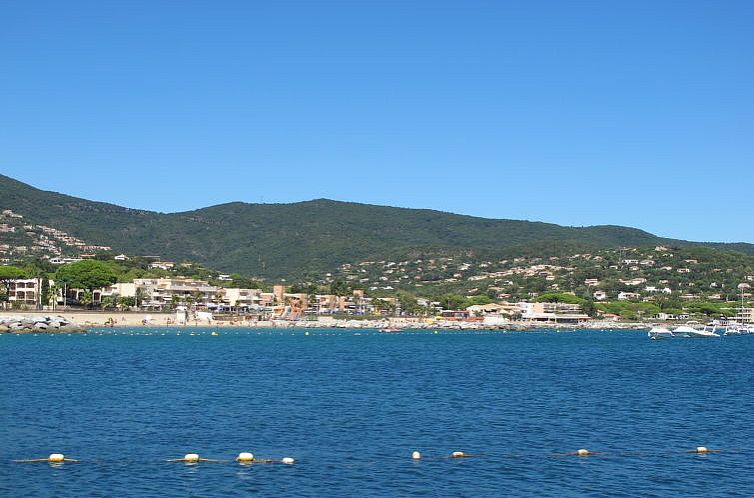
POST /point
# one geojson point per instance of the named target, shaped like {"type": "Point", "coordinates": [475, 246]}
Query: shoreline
{"type": "Point", "coordinates": [89, 319]}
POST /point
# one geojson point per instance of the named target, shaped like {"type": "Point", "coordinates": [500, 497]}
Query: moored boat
{"type": "Point", "coordinates": [690, 329]}
{"type": "Point", "coordinates": [660, 333]}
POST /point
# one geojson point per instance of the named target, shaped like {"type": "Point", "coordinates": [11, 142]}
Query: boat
{"type": "Point", "coordinates": [734, 328]}
{"type": "Point", "coordinates": [660, 333]}
{"type": "Point", "coordinates": [691, 329]}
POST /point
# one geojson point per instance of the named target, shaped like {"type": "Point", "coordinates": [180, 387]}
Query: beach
{"type": "Point", "coordinates": [147, 319]}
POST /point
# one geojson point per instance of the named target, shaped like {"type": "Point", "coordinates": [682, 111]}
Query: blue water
{"type": "Point", "coordinates": [351, 405]}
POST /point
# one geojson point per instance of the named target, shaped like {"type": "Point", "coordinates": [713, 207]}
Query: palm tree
{"type": "Point", "coordinates": [85, 297]}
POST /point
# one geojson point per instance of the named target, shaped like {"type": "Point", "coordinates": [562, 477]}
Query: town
{"type": "Point", "coordinates": [629, 284]}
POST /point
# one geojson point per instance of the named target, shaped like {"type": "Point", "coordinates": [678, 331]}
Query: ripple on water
{"type": "Point", "coordinates": [350, 406]}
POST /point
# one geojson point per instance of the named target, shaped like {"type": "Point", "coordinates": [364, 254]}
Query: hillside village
{"type": "Point", "coordinates": [21, 240]}
{"type": "Point", "coordinates": [625, 274]}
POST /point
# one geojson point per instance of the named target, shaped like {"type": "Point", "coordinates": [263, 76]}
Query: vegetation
{"type": "Point", "coordinates": [295, 240]}
{"type": "Point", "coordinates": [401, 258]}
{"type": "Point", "coordinates": [87, 274]}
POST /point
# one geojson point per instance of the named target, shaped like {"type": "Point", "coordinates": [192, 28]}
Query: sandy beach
{"type": "Point", "coordinates": [150, 319]}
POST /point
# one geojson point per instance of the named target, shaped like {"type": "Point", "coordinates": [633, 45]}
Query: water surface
{"type": "Point", "coordinates": [351, 405]}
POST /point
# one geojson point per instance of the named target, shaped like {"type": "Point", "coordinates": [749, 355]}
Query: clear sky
{"type": "Point", "coordinates": [637, 113]}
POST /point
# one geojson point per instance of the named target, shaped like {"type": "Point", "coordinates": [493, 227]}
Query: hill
{"type": "Point", "coordinates": [305, 238]}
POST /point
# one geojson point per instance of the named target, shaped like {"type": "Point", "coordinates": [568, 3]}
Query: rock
{"type": "Point", "coordinates": [21, 324]}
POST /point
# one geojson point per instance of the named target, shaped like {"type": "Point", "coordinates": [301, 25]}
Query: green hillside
{"type": "Point", "coordinates": [292, 240]}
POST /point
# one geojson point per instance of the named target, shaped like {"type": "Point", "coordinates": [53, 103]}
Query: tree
{"type": "Point", "coordinates": [339, 288]}
{"type": "Point", "coordinates": [45, 292]}
{"type": "Point", "coordinates": [87, 274]}
{"type": "Point", "coordinates": [86, 298]}
{"type": "Point", "coordinates": [126, 302]}
{"type": "Point", "coordinates": [452, 301]}
{"type": "Point", "coordinates": [8, 274]}
{"type": "Point", "coordinates": [479, 299]}
{"type": "Point", "coordinates": [559, 297]}
{"type": "Point", "coordinates": [108, 302]}
{"type": "Point", "coordinates": [408, 303]}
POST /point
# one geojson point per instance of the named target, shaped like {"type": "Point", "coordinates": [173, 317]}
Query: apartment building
{"type": "Point", "coordinates": [552, 312]}
{"type": "Point", "coordinates": [23, 292]}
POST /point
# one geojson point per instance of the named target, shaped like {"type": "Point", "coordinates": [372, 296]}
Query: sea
{"type": "Point", "coordinates": [351, 405]}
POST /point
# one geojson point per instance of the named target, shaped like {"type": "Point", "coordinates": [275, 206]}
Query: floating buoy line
{"type": "Point", "coordinates": [248, 458]}
{"type": "Point", "coordinates": [53, 458]}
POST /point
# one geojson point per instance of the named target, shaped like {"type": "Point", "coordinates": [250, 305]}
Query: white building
{"type": "Point", "coordinates": [625, 296]}
{"type": "Point", "coordinates": [600, 295]}
{"type": "Point", "coordinates": [552, 312]}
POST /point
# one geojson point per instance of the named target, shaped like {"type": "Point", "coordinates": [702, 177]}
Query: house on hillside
{"type": "Point", "coordinates": [599, 295]}
{"type": "Point", "coordinates": [626, 296]}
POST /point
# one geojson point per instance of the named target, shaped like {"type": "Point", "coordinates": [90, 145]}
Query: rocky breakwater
{"type": "Point", "coordinates": [37, 324]}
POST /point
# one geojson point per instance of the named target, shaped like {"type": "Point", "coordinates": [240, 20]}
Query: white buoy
{"type": "Point", "coordinates": [56, 457]}
{"type": "Point", "coordinates": [245, 457]}
{"type": "Point", "coordinates": [701, 449]}
{"type": "Point", "coordinates": [457, 454]}
{"type": "Point", "coordinates": [416, 455]}
{"type": "Point", "coordinates": [191, 457]}
{"type": "Point", "coordinates": [288, 460]}
{"type": "Point", "coordinates": [582, 452]}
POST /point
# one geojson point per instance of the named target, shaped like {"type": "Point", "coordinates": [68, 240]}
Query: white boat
{"type": "Point", "coordinates": [660, 333]}
{"type": "Point", "coordinates": [734, 329]}
{"type": "Point", "coordinates": [691, 330]}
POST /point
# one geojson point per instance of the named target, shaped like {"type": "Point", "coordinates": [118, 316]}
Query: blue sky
{"type": "Point", "coordinates": [578, 113]}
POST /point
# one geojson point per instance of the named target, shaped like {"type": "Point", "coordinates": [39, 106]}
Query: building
{"type": "Point", "coordinates": [552, 312]}
{"type": "Point", "coordinates": [600, 295]}
{"type": "Point", "coordinates": [23, 292]}
{"type": "Point", "coordinates": [668, 316]}
{"type": "Point", "coordinates": [242, 299]}
{"type": "Point", "coordinates": [159, 292]}
{"type": "Point", "coordinates": [745, 315]}
{"type": "Point", "coordinates": [119, 290]}
{"type": "Point", "coordinates": [626, 296]}
{"type": "Point", "coordinates": [493, 309]}
{"type": "Point", "coordinates": [162, 265]}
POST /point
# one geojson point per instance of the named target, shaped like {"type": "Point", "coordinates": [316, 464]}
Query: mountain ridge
{"type": "Point", "coordinates": [294, 239]}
